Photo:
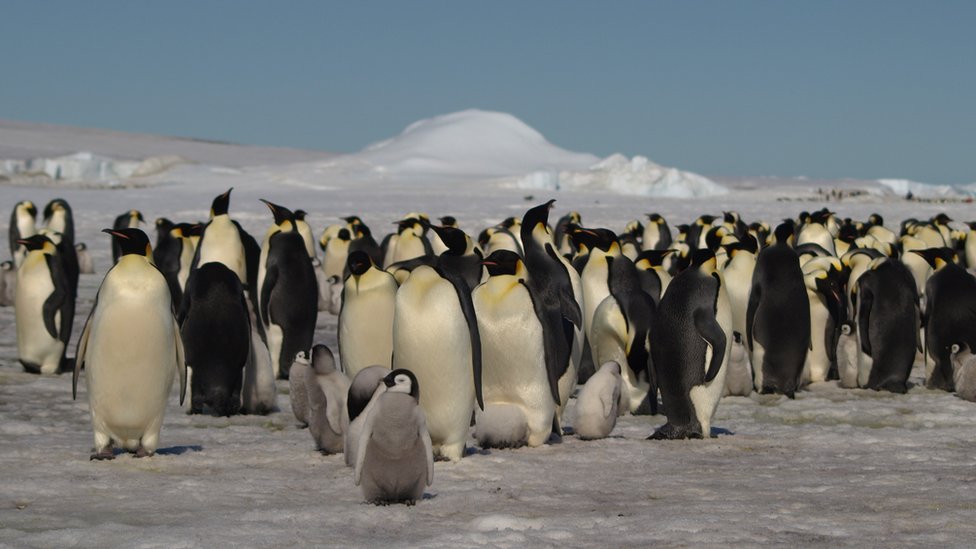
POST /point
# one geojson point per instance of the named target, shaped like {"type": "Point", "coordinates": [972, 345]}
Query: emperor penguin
{"type": "Point", "coordinates": [657, 233]}
{"type": "Point", "coordinates": [22, 226]}
{"type": "Point", "coordinates": [557, 286]}
{"type": "Point", "coordinates": [597, 404]}
{"type": "Point", "coordinates": [365, 330]}
{"type": "Point", "coordinates": [778, 317]}
{"type": "Point", "coordinates": [306, 231]}
{"type": "Point", "coordinates": [363, 390]}
{"type": "Point", "coordinates": [395, 461]}
{"type": "Point", "coordinates": [964, 371]}
{"type": "Point", "coordinates": [520, 392]}
{"type": "Point", "coordinates": [85, 264]}
{"type": "Point", "coordinates": [131, 219]}
{"type": "Point", "coordinates": [288, 295]}
{"type": "Point", "coordinates": [737, 276]}
{"type": "Point", "coordinates": [221, 240]}
{"type": "Point", "coordinates": [8, 283]}
{"type": "Point", "coordinates": [816, 233]}
{"type": "Point", "coordinates": [692, 334]}
{"type": "Point", "coordinates": [216, 336]}
{"type": "Point", "coordinates": [131, 351]}
{"type": "Point", "coordinates": [297, 391]}
{"type": "Point", "coordinates": [828, 310]}
{"type": "Point", "coordinates": [969, 248]}
{"type": "Point", "coordinates": [327, 389]}
{"type": "Point", "coordinates": [437, 246]}
{"type": "Point", "coordinates": [259, 394]}
{"type": "Point", "coordinates": [888, 323]}
{"type": "Point", "coordinates": [950, 314]}
{"type": "Point", "coordinates": [560, 235]}
{"type": "Point", "coordinates": [629, 239]}
{"type": "Point", "coordinates": [173, 255]}
{"type": "Point", "coordinates": [411, 242]}
{"type": "Point", "coordinates": [336, 254]}
{"type": "Point", "coordinates": [653, 276]}
{"type": "Point", "coordinates": [363, 241]}
{"type": "Point", "coordinates": [59, 218]}
{"type": "Point", "coordinates": [435, 336]}
{"type": "Point", "coordinates": [602, 244]}
{"type": "Point", "coordinates": [44, 308]}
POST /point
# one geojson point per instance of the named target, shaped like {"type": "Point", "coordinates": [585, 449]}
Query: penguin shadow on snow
{"type": "Point", "coordinates": [171, 451]}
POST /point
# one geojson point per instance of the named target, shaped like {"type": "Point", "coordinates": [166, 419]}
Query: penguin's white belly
{"type": "Point", "coordinates": [817, 363]}
{"type": "Point", "coordinates": [964, 378]}
{"type": "Point", "coordinates": [408, 246]}
{"type": "Point", "coordinates": [431, 339]}
{"type": "Point", "coordinates": [186, 259]}
{"type": "Point", "coordinates": [366, 330]}
{"type": "Point", "coordinates": [222, 243]}
{"type": "Point", "coordinates": [513, 358]}
{"type": "Point", "coordinates": [276, 338]}
{"type": "Point", "coordinates": [258, 393]}
{"type": "Point", "coordinates": [597, 406]}
{"type": "Point", "coordinates": [130, 364]}
{"type": "Point", "coordinates": [609, 342]}
{"type": "Point", "coordinates": [864, 363]}
{"type": "Point", "coordinates": [705, 397]}
{"type": "Point", "coordinates": [334, 262]}
{"type": "Point", "coordinates": [595, 290]}
{"type": "Point", "coordinates": [34, 342]}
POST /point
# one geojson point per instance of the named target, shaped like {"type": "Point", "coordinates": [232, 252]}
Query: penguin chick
{"type": "Point", "coordinates": [964, 371]}
{"type": "Point", "coordinates": [598, 402]}
{"type": "Point", "coordinates": [297, 392]}
{"type": "Point", "coordinates": [8, 283]}
{"type": "Point", "coordinates": [738, 380]}
{"type": "Point", "coordinates": [847, 351]}
{"type": "Point", "coordinates": [327, 388]}
{"type": "Point", "coordinates": [395, 458]}
{"type": "Point", "coordinates": [85, 264]}
{"type": "Point", "coordinates": [363, 391]}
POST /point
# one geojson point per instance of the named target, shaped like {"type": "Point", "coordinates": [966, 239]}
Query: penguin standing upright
{"type": "Point", "coordinates": [654, 278]}
{"type": "Point", "coordinates": [297, 388]}
{"type": "Point", "coordinates": [327, 390]}
{"type": "Point", "coordinates": [58, 218]}
{"type": "Point", "coordinates": [129, 220]}
{"type": "Point", "coordinates": [365, 330]}
{"type": "Point", "coordinates": [306, 231]}
{"type": "Point", "coordinates": [44, 308]}
{"type": "Point", "coordinates": [692, 333]}
{"type": "Point", "coordinates": [778, 317]}
{"type": "Point", "coordinates": [173, 255]}
{"type": "Point", "coordinates": [22, 226]}
{"type": "Point", "coordinates": [221, 240]}
{"type": "Point", "coordinates": [131, 351]}
{"type": "Point", "coordinates": [8, 283]}
{"type": "Point", "coordinates": [289, 295]}
{"type": "Point", "coordinates": [85, 263]}
{"type": "Point", "coordinates": [657, 233]}
{"type": "Point", "coordinates": [828, 310]}
{"type": "Point", "coordinates": [216, 337]}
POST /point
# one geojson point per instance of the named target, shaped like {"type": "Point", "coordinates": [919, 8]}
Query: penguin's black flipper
{"type": "Point", "coordinates": [568, 306]}
{"type": "Point", "coordinates": [709, 330]}
{"type": "Point", "coordinates": [270, 279]}
{"type": "Point", "coordinates": [754, 295]}
{"type": "Point", "coordinates": [467, 307]}
{"type": "Point", "coordinates": [54, 302]}
{"type": "Point", "coordinates": [554, 349]}
{"type": "Point", "coordinates": [864, 318]}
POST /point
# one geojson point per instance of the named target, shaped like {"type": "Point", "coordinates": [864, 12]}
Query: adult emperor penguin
{"type": "Point", "coordinates": [564, 227]}
{"type": "Point", "coordinates": [131, 351]}
{"type": "Point", "coordinates": [657, 233]}
{"type": "Point", "coordinates": [692, 334]}
{"type": "Point", "coordinates": [778, 317]}
{"type": "Point", "coordinates": [521, 392]}
{"type": "Point", "coordinates": [435, 336]}
{"type": "Point", "coordinates": [44, 308]}
{"type": "Point", "coordinates": [597, 405]}
{"type": "Point", "coordinates": [653, 276]}
{"type": "Point", "coordinates": [327, 390]}
{"type": "Point", "coordinates": [216, 337]}
{"type": "Point", "coordinates": [173, 255]}
{"type": "Point", "coordinates": [129, 220]}
{"type": "Point", "coordinates": [288, 295]}
{"type": "Point", "coordinates": [394, 461]}
{"type": "Point", "coordinates": [365, 330]}
{"type": "Point", "coordinates": [363, 390]}
{"type": "Point", "coordinates": [888, 321]}
{"type": "Point", "coordinates": [410, 242]}
{"type": "Point", "coordinates": [221, 240]}
{"type": "Point", "coordinates": [306, 231]}
{"type": "Point", "coordinates": [336, 253]}
{"type": "Point", "coordinates": [822, 277]}
{"type": "Point", "coordinates": [22, 226]}
{"type": "Point", "coordinates": [557, 287]}
{"type": "Point", "coordinates": [950, 314]}
{"type": "Point", "coordinates": [58, 218]}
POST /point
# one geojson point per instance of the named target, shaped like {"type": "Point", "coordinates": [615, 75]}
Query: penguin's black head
{"type": "Point", "coordinates": [635, 229]}
{"type": "Point", "coordinates": [358, 262]}
{"type": "Point", "coordinates": [783, 233]}
{"type": "Point", "coordinates": [848, 234]}
{"type": "Point", "coordinates": [683, 228]}
{"type": "Point", "coordinates": [971, 225]}
{"type": "Point", "coordinates": [36, 242]}
{"type": "Point", "coordinates": [449, 221]}
{"type": "Point", "coordinates": [409, 223]}
{"type": "Point", "coordinates": [509, 222]}
{"type": "Point", "coordinates": [730, 217]}
{"type": "Point", "coordinates": [876, 219]}
{"type": "Point", "coordinates": [656, 218]}
{"type": "Point", "coordinates": [58, 204]}
{"type": "Point", "coordinates": [655, 258]}
{"type": "Point", "coordinates": [701, 258]}
{"type": "Point", "coordinates": [353, 220]}
{"type": "Point", "coordinates": [484, 236]}
{"type": "Point", "coordinates": [221, 204]}
{"type": "Point", "coordinates": [402, 380]}
{"type": "Point", "coordinates": [537, 215]}
{"type": "Point", "coordinates": [502, 262]}
{"type": "Point", "coordinates": [131, 241]}
{"type": "Point", "coordinates": [937, 257]}
{"type": "Point", "coordinates": [281, 214]}
{"type": "Point", "coordinates": [705, 220]}
{"type": "Point", "coordinates": [821, 216]}
{"type": "Point", "coordinates": [363, 231]}
{"type": "Point", "coordinates": [343, 234]}
{"type": "Point", "coordinates": [941, 219]}
{"type": "Point", "coordinates": [713, 239]}
{"type": "Point", "coordinates": [603, 239]}
{"type": "Point", "coordinates": [453, 238]}
{"type": "Point", "coordinates": [191, 229]}
{"type": "Point", "coordinates": [138, 215]}
{"type": "Point", "coordinates": [163, 225]}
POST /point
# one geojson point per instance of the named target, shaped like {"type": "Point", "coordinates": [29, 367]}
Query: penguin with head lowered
{"type": "Point", "coordinates": [216, 336]}
{"type": "Point", "coordinates": [289, 293]}
{"type": "Point", "coordinates": [131, 351]}
{"type": "Point", "coordinates": [365, 330]}
{"type": "Point", "coordinates": [691, 343]}
{"type": "Point", "coordinates": [22, 226]}
{"type": "Point", "coordinates": [44, 308]}
{"type": "Point", "coordinates": [778, 317]}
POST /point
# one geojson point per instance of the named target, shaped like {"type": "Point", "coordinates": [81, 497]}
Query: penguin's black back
{"type": "Point", "coordinates": [289, 295]}
{"type": "Point", "coordinates": [888, 320]}
{"type": "Point", "coordinates": [950, 315]}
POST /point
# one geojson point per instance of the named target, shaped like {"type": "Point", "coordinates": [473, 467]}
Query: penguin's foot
{"type": "Point", "coordinates": [103, 455]}
{"type": "Point", "coordinates": [671, 432]}
{"type": "Point", "coordinates": [141, 452]}
{"type": "Point", "coordinates": [409, 502]}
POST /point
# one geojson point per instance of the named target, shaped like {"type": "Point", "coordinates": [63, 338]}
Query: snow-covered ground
{"type": "Point", "coordinates": [833, 468]}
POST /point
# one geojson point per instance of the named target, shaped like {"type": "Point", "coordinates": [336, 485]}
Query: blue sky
{"type": "Point", "coordinates": [823, 89]}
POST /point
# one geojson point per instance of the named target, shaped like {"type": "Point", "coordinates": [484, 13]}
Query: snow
{"type": "Point", "coordinates": [901, 187]}
{"type": "Point", "coordinates": [833, 468]}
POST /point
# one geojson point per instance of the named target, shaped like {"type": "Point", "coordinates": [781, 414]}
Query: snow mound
{"type": "Point", "coordinates": [902, 187]}
{"type": "Point", "coordinates": [85, 166]}
{"type": "Point", "coordinates": [470, 144]}
{"type": "Point", "coordinates": [620, 175]}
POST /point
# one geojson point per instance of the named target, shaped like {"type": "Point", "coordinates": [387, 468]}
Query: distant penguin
{"type": "Point", "coordinates": [435, 336]}
{"type": "Point", "coordinates": [950, 314]}
{"type": "Point", "coordinates": [778, 317]}
{"type": "Point", "coordinates": [297, 392]}
{"type": "Point", "coordinates": [964, 371]}
{"type": "Point", "coordinates": [597, 403]}
{"type": "Point", "coordinates": [363, 391]}
{"type": "Point", "coordinates": [131, 351]}
{"type": "Point", "coordinates": [44, 308]}
{"type": "Point", "coordinates": [8, 283]}
{"type": "Point", "coordinates": [692, 335]}
{"type": "Point", "coordinates": [888, 323]}
{"type": "Point", "coordinates": [847, 355]}
{"type": "Point", "coordinates": [327, 389]}
{"type": "Point", "coordinates": [22, 226]}
{"type": "Point", "coordinates": [258, 395]}
{"type": "Point", "coordinates": [85, 263]}
{"type": "Point", "coordinates": [521, 394]}
{"type": "Point", "coordinates": [657, 233]}
{"type": "Point", "coordinates": [365, 330]}
{"type": "Point", "coordinates": [129, 220]}
{"type": "Point", "coordinates": [289, 295]}
{"type": "Point", "coordinates": [216, 338]}
{"type": "Point", "coordinates": [58, 218]}
{"type": "Point", "coordinates": [221, 240]}
{"type": "Point", "coordinates": [394, 461]}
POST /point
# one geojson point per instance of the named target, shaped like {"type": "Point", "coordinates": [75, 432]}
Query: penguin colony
{"type": "Point", "coordinates": [442, 336]}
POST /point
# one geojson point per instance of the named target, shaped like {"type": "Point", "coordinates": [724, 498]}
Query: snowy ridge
{"type": "Point", "coordinates": [902, 187]}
